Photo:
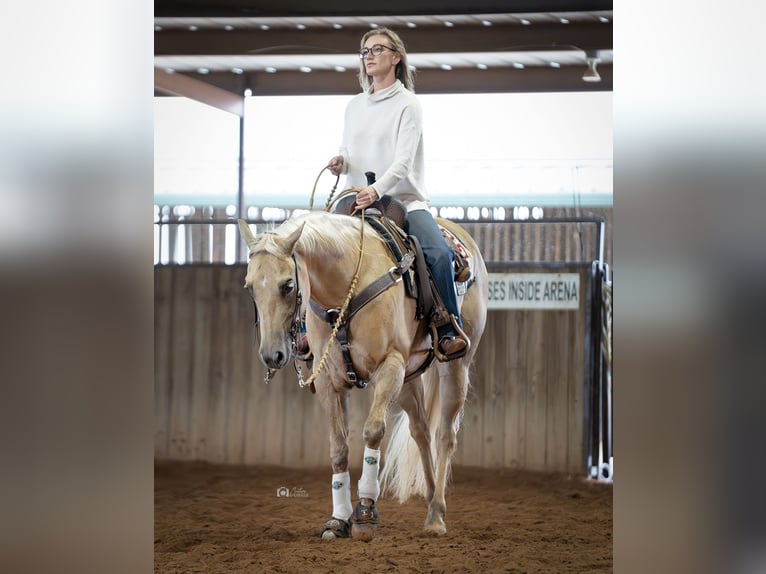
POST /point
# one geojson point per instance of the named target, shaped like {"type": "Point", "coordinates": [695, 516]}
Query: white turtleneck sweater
{"type": "Point", "coordinates": [383, 133]}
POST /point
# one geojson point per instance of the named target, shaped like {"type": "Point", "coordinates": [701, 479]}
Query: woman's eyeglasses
{"type": "Point", "coordinates": [376, 50]}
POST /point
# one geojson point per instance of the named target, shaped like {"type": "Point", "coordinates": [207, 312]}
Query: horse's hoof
{"type": "Point", "coordinates": [335, 528]}
{"type": "Point", "coordinates": [328, 535]}
{"type": "Point", "coordinates": [364, 522]}
{"type": "Point", "coordinates": [363, 532]}
{"type": "Point", "coordinates": [435, 529]}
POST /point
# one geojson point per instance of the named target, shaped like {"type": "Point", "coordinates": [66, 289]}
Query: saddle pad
{"type": "Point", "coordinates": [457, 245]}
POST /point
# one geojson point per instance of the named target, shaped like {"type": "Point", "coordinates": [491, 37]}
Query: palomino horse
{"type": "Point", "coordinates": [308, 263]}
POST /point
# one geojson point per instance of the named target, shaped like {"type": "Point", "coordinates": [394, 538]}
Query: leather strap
{"type": "Point", "coordinates": [398, 246]}
{"type": "Point", "coordinates": [330, 316]}
{"type": "Point", "coordinates": [377, 287]}
{"type": "Point", "coordinates": [425, 296]}
{"type": "Point", "coordinates": [422, 368]}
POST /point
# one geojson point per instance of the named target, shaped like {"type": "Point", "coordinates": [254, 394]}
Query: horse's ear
{"type": "Point", "coordinates": [246, 233]}
{"type": "Point", "coordinates": [289, 243]}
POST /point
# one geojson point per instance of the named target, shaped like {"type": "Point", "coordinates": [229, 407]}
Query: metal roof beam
{"type": "Point", "coordinates": [586, 36]}
{"type": "Point", "coordinates": [308, 8]}
{"type": "Point", "coordinates": [427, 81]}
{"type": "Point", "coordinates": [186, 86]}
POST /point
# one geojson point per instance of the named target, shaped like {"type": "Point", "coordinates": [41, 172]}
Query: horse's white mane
{"type": "Point", "coordinates": [323, 232]}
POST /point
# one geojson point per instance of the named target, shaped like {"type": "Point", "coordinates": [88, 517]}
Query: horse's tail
{"type": "Point", "coordinates": [402, 475]}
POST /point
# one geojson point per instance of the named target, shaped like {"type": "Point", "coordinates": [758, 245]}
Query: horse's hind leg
{"type": "Point", "coordinates": [413, 403]}
{"type": "Point", "coordinates": [453, 386]}
{"type": "Point", "coordinates": [387, 380]}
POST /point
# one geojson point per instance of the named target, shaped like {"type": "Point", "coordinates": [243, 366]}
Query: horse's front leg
{"type": "Point", "coordinates": [387, 382]}
{"type": "Point", "coordinates": [335, 404]}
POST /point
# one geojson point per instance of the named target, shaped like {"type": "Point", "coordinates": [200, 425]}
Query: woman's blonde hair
{"type": "Point", "coordinates": [402, 71]}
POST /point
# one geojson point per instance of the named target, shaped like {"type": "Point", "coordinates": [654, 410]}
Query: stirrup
{"type": "Point", "coordinates": [462, 268]}
{"type": "Point", "coordinates": [460, 334]}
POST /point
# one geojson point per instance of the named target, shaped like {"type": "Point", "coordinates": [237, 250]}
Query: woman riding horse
{"type": "Point", "coordinates": [370, 143]}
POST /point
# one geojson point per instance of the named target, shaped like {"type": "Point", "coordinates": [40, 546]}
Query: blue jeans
{"type": "Point", "coordinates": [439, 258]}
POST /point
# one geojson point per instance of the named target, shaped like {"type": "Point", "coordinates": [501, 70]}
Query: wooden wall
{"type": "Point", "coordinates": [525, 408]}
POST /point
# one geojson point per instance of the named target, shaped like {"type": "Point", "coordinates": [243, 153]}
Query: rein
{"type": "Point", "coordinates": [341, 314]}
{"type": "Point", "coordinates": [340, 321]}
{"type": "Point", "coordinates": [330, 202]}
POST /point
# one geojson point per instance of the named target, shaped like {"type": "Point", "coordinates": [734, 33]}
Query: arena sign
{"type": "Point", "coordinates": [534, 291]}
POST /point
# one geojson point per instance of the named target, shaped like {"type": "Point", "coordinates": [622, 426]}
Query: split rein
{"type": "Point", "coordinates": [352, 289]}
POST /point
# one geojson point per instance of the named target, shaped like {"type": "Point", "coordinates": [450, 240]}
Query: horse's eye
{"type": "Point", "coordinates": [287, 288]}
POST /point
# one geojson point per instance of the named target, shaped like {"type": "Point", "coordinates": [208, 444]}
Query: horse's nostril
{"type": "Point", "coordinates": [279, 356]}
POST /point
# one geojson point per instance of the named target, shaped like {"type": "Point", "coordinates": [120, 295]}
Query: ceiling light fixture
{"type": "Point", "coordinates": [193, 28]}
{"type": "Point", "coordinates": [591, 75]}
{"type": "Point", "coordinates": [554, 65]}
{"type": "Point", "coordinates": [270, 70]}
{"type": "Point", "coordinates": [525, 22]}
{"type": "Point", "coordinates": [486, 23]}
{"type": "Point", "coordinates": [482, 66]}
{"type": "Point", "coordinates": [158, 28]}
{"type": "Point", "coordinates": [228, 27]}
{"type": "Point", "coordinates": [237, 71]}
{"type": "Point", "coordinates": [446, 67]}
{"type": "Point", "coordinates": [563, 20]}
{"type": "Point", "coordinates": [265, 27]}
{"type": "Point", "coordinates": [305, 69]}
{"type": "Point", "coordinates": [448, 24]}
{"type": "Point", "coordinates": [340, 69]}
{"type": "Point", "coordinates": [518, 65]}
{"type": "Point", "coordinates": [603, 20]}
{"type": "Point", "coordinates": [203, 71]}
{"type": "Point", "coordinates": [337, 26]}
{"type": "Point", "coordinates": [301, 26]}
{"type": "Point", "coordinates": [411, 25]}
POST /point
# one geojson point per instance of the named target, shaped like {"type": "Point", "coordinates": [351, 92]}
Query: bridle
{"type": "Point", "coordinates": [296, 323]}
{"type": "Point", "coordinates": [339, 319]}
{"type": "Point", "coordinates": [295, 327]}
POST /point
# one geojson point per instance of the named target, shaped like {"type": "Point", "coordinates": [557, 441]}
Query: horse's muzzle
{"type": "Point", "coordinates": [275, 359]}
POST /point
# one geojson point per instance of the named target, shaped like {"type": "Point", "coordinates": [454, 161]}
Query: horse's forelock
{"type": "Point", "coordinates": [264, 243]}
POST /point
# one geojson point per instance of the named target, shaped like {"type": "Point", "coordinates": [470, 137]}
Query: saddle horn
{"type": "Point", "coordinates": [378, 203]}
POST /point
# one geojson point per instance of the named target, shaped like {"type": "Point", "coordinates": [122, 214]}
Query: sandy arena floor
{"type": "Point", "coordinates": [212, 518]}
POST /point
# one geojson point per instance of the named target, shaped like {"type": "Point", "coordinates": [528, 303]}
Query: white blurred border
{"type": "Point", "coordinates": [76, 286]}
{"type": "Point", "coordinates": [690, 119]}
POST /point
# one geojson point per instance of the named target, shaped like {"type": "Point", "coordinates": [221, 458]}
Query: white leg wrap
{"type": "Point", "coordinates": [369, 485]}
{"type": "Point", "coordinates": [341, 496]}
